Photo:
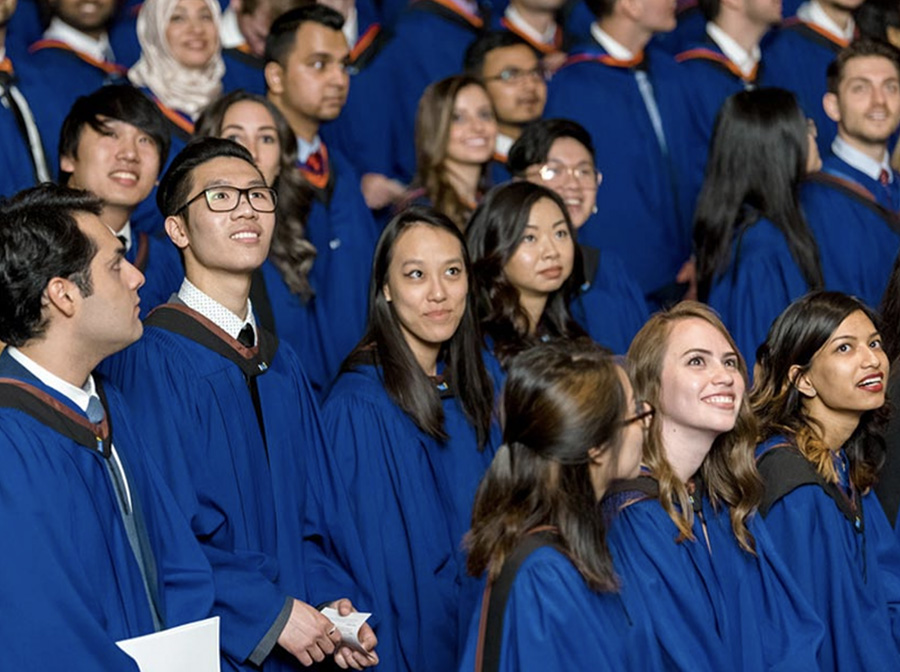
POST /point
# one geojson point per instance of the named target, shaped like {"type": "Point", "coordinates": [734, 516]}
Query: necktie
{"type": "Point", "coordinates": [884, 178]}
{"type": "Point", "coordinates": [95, 412]}
{"type": "Point", "coordinates": [247, 338]}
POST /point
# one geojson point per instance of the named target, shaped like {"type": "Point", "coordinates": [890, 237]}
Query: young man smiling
{"type": "Point", "coordinates": [232, 420]}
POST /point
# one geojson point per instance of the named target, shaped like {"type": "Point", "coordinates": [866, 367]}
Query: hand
{"type": "Point", "coordinates": [308, 635]}
{"type": "Point", "coordinates": [688, 273]}
{"type": "Point", "coordinates": [347, 657]}
{"type": "Point", "coordinates": [380, 191]}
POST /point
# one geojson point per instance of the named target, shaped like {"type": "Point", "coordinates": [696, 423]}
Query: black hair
{"type": "Point", "coordinates": [757, 160]}
{"type": "Point", "coordinates": [283, 32]}
{"type": "Point", "coordinates": [494, 234]}
{"type": "Point", "coordinates": [873, 18]}
{"type": "Point", "coordinates": [176, 184]}
{"type": "Point", "coordinates": [710, 8]}
{"type": "Point", "coordinates": [601, 8]}
{"type": "Point", "coordinates": [40, 240]}
{"type": "Point", "coordinates": [473, 61]}
{"type": "Point", "coordinates": [118, 103]}
{"type": "Point", "coordinates": [538, 137]}
{"type": "Point", "coordinates": [404, 380]}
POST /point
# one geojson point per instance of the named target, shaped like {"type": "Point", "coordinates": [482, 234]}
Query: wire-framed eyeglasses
{"type": "Point", "coordinates": [644, 411]}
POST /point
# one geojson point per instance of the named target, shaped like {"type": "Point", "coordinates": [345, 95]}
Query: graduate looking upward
{"type": "Point", "coordinates": [114, 143]}
{"type": "Point", "coordinates": [232, 420]}
{"type": "Point", "coordinates": [819, 395]}
{"type": "Point", "coordinates": [95, 548]}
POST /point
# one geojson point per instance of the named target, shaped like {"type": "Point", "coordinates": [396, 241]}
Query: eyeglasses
{"type": "Point", "coordinates": [516, 75]}
{"type": "Point", "coordinates": [226, 199]}
{"type": "Point", "coordinates": [643, 411]}
{"type": "Point", "coordinates": [585, 175]}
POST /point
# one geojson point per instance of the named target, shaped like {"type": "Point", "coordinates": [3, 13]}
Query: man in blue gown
{"type": "Point", "coordinates": [233, 421]}
{"type": "Point", "coordinates": [307, 75]}
{"type": "Point", "coordinates": [114, 143]}
{"type": "Point", "coordinates": [95, 547]}
{"type": "Point", "coordinates": [853, 205]}
{"type": "Point", "coordinates": [630, 97]}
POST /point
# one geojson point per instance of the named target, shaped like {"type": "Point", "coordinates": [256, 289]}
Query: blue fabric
{"type": "Point", "coordinates": [856, 245]}
{"type": "Point", "coordinates": [499, 172]}
{"type": "Point", "coordinates": [610, 307]}
{"type": "Point", "coordinates": [690, 29]}
{"type": "Point", "coordinates": [719, 610]}
{"type": "Point", "coordinates": [409, 497]}
{"type": "Point", "coordinates": [796, 59]}
{"type": "Point", "coordinates": [243, 71]}
{"type": "Point", "coordinates": [553, 621]}
{"type": "Point", "coordinates": [852, 580]}
{"type": "Point", "coordinates": [643, 210]}
{"type": "Point", "coordinates": [245, 497]}
{"type": "Point", "coordinates": [163, 272]}
{"type": "Point", "coordinates": [760, 281]}
{"type": "Point", "coordinates": [71, 586]}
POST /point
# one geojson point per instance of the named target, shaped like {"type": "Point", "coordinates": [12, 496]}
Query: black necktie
{"type": "Point", "coordinates": [247, 338]}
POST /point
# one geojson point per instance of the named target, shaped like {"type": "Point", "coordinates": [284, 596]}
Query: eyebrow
{"type": "Point", "coordinates": [851, 337]}
{"type": "Point", "coordinates": [240, 127]}
{"type": "Point", "coordinates": [225, 183]}
{"type": "Point", "coordinates": [701, 351]}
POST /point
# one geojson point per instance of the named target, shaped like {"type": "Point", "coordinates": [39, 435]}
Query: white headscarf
{"type": "Point", "coordinates": [176, 86]}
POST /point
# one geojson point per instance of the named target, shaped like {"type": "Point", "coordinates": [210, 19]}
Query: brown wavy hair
{"type": "Point", "coordinates": [728, 471]}
{"type": "Point", "coordinates": [433, 119]}
{"type": "Point", "coordinates": [560, 400]}
{"type": "Point", "coordinates": [794, 339]}
{"type": "Point", "coordinates": [291, 252]}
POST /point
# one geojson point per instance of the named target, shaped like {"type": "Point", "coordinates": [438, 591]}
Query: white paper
{"type": "Point", "coordinates": [193, 647]}
{"type": "Point", "coordinates": [348, 626]}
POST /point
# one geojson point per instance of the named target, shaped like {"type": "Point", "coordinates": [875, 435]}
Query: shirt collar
{"type": "Point", "coordinates": [306, 149]}
{"type": "Point", "coordinates": [503, 144]}
{"type": "Point", "coordinates": [125, 232]}
{"type": "Point", "coordinates": [351, 27]}
{"type": "Point", "coordinates": [214, 311]}
{"type": "Point", "coordinates": [744, 60]}
{"type": "Point", "coordinates": [515, 18]}
{"type": "Point", "coordinates": [863, 163]}
{"type": "Point", "coordinates": [612, 47]}
{"type": "Point", "coordinates": [59, 30]}
{"type": "Point", "coordinates": [229, 32]}
{"type": "Point", "coordinates": [812, 12]}
{"type": "Point", "coordinates": [80, 396]}
{"type": "Point", "coordinates": [467, 6]}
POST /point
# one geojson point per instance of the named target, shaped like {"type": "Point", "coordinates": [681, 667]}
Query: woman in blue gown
{"type": "Point", "coordinates": [685, 535]}
{"type": "Point", "coordinates": [559, 154]}
{"type": "Point", "coordinates": [409, 423]}
{"type": "Point", "coordinates": [819, 395]}
{"type": "Point", "coordinates": [523, 252]}
{"type": "Point", "coordinates": [755, 251]}
{"type": "Point", "coordinates": [570, 425]}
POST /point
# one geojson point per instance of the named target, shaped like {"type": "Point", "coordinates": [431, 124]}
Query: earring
{"type": "Point", "coordinates": [594, 210]}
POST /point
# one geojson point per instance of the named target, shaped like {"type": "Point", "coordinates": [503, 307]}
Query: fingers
{"type": "Point", "coordinates": [344, 606]}
{"type": "Point", "coordinates": [367, 637]}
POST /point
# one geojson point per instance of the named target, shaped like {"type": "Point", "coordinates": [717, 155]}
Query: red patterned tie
{"type": "Point", "coordinates": [884, 178]}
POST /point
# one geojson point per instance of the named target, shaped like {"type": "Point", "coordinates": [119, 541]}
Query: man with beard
{"type": "Point", "coordinates": [852, 206]}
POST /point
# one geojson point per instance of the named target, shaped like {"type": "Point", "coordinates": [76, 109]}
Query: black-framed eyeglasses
{"type": "Point", "coordinates": [516, 75]}
{"type": "Point", "coordinates": [586, 175]}
{"type": "Point", "coordinates": [643, 412]}
{"type": "Point", "coordinates": [226, 199]}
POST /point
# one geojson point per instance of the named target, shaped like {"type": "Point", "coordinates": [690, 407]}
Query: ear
{"type": "Point", "coordinates": [387, 292]}
{"type": "Point", "coordinates": [67, 164]}
{"type": "Point", "coordinates": [830, 103]}
{"type": "Point", "coordinates": [274, 74]}
{"type": "Point", "coordinates": [800, 380]}
{"type": "Point", "coordinates": [632, 9]}
{"type": "Point", "coordinates": [176, 229]}
{"type": "Point", "coordinates": [62, 295]}
{"type": "Point", "coordinates": [598, 455]}
{"type": "Point", "coordinates": [893, 35]}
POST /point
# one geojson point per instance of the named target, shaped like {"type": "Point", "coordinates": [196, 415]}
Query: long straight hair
{"type": "Point", "coordinates": [794, 339]}
{"type": "Point", "coordinates": [494, 235]}
{"type": "Point", "coordinates": [406, 383]}
{"type": "Point", "coordinates": [729, 469]}
{"type": "Point", "coordinates": [757, 160]}
{"type": "Point", "coordinates": [560, 400]}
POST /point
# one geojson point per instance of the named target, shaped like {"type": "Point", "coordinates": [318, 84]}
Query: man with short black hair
{"type": "Point", "coordinates": [232, 420]}
{"type": "Point", "coordinates": [852, 206]}
{"type": "Point", "coordinates": [95, 548]}
{"type": "Point", "coordinates": [114, 143]}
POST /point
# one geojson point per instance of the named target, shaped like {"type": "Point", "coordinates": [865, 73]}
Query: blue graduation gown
{"type": "Point", "coordinates": [158, 259]}
{"type": "Point", "coordinates": [243, 488]}
{"type": "Point", "coordinates": [796, 56]}
{"type": "Point", "coordinates": [410, 498]}
{"type": "Point", "coordinates": [690, 29]}
{"type": "Point", "coordinates": [72, 73]}
{"type": "Point", "coordinates": [609, 304]}
{"type": "Point", "coordinates": [71, 585]}
{"type": "Point", "coordinates": [244, 71]}
{"type": "Point", "coordinates": [719, 610]}
{"type": "Point", "coordinates": [643, 213]}
{"type": "Point", "coordinates": [760, 281]}
{"type": "Point", "coordinates": [857, 246]}
{"type": "Point", "coordinates": [553, 621]}
{"type": "Point", "coordinates": [851, 579]}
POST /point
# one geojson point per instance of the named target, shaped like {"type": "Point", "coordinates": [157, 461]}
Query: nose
{"type": "Point", "coordinates": [128, 150]}
{"type": "Point", "coordinates": [724, 375]}
{"type": "Point", "coordinates": [878, 95]}
{"type": "Point", "coordinates": [135, 278]}
{"type": "Point", "coordinates": [550, 248]}
{"type": "Point", "coordinates": [436, 290]}
{"type": "Point", "coordinates": [243, 208]}
{"type": "Point", "coordinates": [872, 358]}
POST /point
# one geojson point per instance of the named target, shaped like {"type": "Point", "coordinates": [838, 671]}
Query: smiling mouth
{"type": "Point", "coordinates": [245, 235]}
{"type": "Point", "coordinates": [724, 400]}
{"type": "Point", "coordinates": [872, 383]}
{"type": "Point", "coordinates": [124, 175]}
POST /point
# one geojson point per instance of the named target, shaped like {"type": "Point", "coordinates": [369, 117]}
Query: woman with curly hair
{"type": "Point", "coordinates": [684, 535]}
{"type": "Point", "coordinates": [820, 394]}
